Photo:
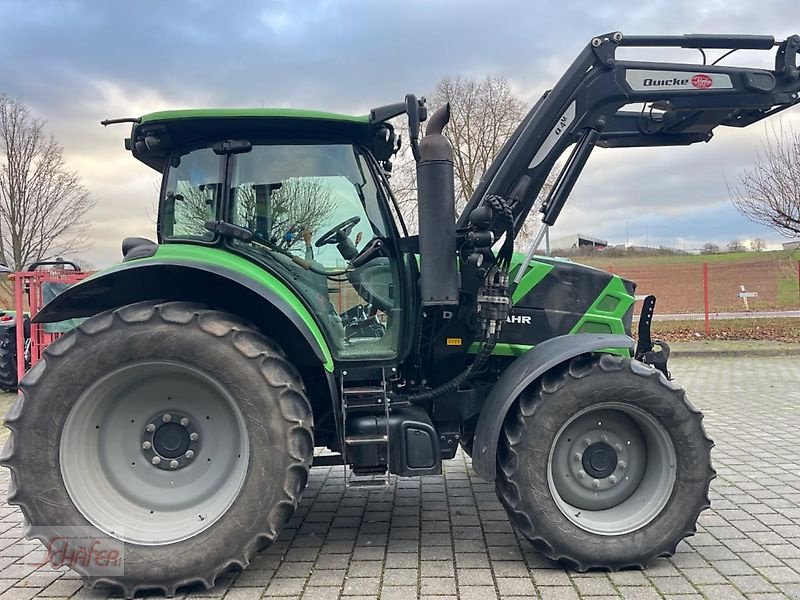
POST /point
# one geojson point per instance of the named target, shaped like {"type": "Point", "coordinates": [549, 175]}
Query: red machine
{"type": "Point", "coordinates": [36, 286]}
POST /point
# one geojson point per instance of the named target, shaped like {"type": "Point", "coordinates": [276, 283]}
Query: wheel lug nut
{"type": "Point", "coordinates": [618, 447]}
{"type": "Point", "coordinates": [612, 480]}
{"type": "Point", "coordinates": [577, 456]}
{"type": "Point", "coordinates": [167, 418]}
{"type": "Point", "coordinates": [587, 442]}
{"type": "Point", "coordinates": [184, 421]}
{"type": "Point", "coordinates": [150, 428]}
{"type": "Point", "coordinates": [173, 464]}
{"type": "Point", "coordinates": [622, 464]}
{"type": "Point", "coordinates": [581, 474]}
{"type": "Point", "coordinates": [194, 437]}
{"type": "Point", "coordinates": [595, 483]}
{"type": "Point", "coordinates": [604, 438]}
{"type": "Point", "coordinates": [189, 454]}
{"type": "Point", "coordinates": [146, 445]}
{"type": "Point", "coordinates": [156, 460]}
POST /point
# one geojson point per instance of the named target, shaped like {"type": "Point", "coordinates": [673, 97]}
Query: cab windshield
{"type": "Point", "coordinates": [311, 210]}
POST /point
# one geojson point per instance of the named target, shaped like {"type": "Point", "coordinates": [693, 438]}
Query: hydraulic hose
{"type": "Point", "coordinates": [497, 311]}
{"type": "Point", "coordinates": [452, 385]}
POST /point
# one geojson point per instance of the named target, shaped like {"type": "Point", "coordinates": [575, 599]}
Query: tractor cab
{"type": "Point", "coordinates": [299, 193]}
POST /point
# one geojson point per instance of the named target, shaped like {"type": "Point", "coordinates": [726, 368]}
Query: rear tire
{"type": "Point", "coordinates": [177, 431]}
{"type": "Point", "coordinates": [604, 464]}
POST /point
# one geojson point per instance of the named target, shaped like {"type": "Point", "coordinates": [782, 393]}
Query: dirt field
{"type": "Point", "coordinates": [772, 330]}
{"type": "Point", "coordinates": [677, 281]}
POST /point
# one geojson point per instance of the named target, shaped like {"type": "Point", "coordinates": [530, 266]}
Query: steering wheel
{"type": "Point", "coordinates": [338, 233]}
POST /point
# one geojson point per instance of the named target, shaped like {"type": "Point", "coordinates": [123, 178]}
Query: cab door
{"type": "Point", "coordinates": [320, 219]}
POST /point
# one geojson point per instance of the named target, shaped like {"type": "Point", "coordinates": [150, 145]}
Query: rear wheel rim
{"type": "Point", "coordinates": [154, 452]}
{"type": "Point", "coordinates": [612, 468]}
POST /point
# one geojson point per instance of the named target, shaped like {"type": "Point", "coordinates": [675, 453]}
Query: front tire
{"type": "Point", "coordinates": [604, 464]}
{"type": "Point", "coordinates": [177, 431]}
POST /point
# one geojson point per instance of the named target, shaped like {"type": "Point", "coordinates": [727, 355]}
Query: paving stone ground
{"type": "Point", "coordinates": [448, 537]}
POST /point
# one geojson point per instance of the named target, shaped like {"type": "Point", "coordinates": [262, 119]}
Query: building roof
{"type": "Point", "coordinates": [569, 241]}
{"type": "Point", "coordinates": [592, 239]}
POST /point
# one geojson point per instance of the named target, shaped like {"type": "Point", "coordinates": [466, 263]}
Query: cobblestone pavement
{"type": "Point", "coordinates": [448, 536]}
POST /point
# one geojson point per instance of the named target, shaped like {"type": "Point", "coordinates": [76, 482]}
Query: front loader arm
{"type": "Point", "coordinates": [682, 104]}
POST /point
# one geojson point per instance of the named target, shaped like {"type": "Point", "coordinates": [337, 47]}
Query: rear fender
{"type": "Point", "coordinates": [263, 300]}
{"type": "Point", "coordinates": [519, 375]}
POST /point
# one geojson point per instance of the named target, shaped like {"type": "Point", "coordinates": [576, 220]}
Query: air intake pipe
{"type": "Point", "coordinates": [439, 281]}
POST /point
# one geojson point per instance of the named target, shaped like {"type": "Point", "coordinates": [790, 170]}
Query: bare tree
{"type": "Point", "coordinates": [484, 114]}
{"type": "Point", "coordinates": [192, 208]}
{"type": "Point", "coordinates": [43, 205]}
{"type": "Point", "coordinates": [531, 224]}
{"type": "Point", "coordinates": [736, 246]}
{"type": "Point", "coordinates": [710, 248]}
{"type": "Point", "coordinates": [403, 178]}
{"type": "Point", "coordinates": [769, 193]}
{"type": "Point", "coordinates": [758, 245]}
{"type": "Point", "coordinates": [300, 204]}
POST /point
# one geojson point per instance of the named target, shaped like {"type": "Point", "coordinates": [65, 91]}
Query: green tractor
{"type": "Point", "coordinates": [284, 307]}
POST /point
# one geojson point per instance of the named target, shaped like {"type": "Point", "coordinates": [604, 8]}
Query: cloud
{"type": "Point", "coordinates": [76, 62]}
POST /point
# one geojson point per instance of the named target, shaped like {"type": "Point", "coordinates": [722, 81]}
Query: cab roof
{"type": "Point", "coordinates": [157, 134]}
{"type": "Point", "coordinates": [252, 113]}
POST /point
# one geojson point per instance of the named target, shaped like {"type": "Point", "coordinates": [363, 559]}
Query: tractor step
{"type": "Point", "coordinates": [369, 478]}
{"type": "Point", "coordinates": [352, 440]}
{"type": "Point", "coordinates": [363, 397]}
{"type": "Point", "coordinates": [360, 449]}
{"type": "Point", "coordinates": [356, 482]}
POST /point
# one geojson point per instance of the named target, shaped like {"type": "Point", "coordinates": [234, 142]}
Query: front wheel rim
{"type": "Point", "coordinates": [612, 468]}
{"type": "Point", "coordinates": [154, 453]}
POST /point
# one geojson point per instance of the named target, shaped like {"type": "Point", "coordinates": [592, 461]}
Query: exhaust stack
{"type": "Point", "coordinates": [439, 282]}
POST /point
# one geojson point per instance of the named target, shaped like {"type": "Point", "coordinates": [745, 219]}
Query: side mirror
{"type": "Point", "coordinates": [385, 143]}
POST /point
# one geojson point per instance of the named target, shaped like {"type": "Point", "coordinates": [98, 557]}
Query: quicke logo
{"type": "Point", "coordinates": [700, 81]}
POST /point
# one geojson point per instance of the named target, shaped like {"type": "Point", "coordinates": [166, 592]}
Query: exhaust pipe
{"type": "Point", "coordinates": [436, 206]}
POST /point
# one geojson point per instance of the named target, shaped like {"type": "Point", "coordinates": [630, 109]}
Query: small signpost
{"type": "Point", "coordinates": [744, 295]}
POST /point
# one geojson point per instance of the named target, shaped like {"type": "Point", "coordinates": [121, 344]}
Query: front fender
{"type": "Point", "coordinates": [200, 274]}
{"type": "Point", "coordinates": [518, 376]}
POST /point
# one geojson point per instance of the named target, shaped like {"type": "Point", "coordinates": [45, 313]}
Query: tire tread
{"type": "Point", "coordinates": [525, 408]}
{"type": "Point", "coordinates": [295, 409]}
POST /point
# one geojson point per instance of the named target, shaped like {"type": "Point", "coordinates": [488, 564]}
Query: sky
{"type": "Point", "coordinates": [74, 63]}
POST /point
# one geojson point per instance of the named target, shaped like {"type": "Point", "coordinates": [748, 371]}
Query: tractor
{"type": "Point", "coordinates": [285, 318]}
